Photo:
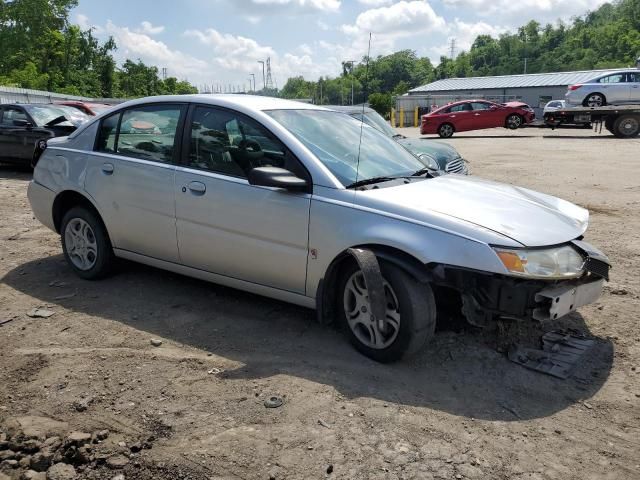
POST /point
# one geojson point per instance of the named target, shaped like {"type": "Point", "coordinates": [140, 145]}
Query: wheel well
{"type": "Point", "coordinates": [326, 294]}
{"type": "Point", "coordinates": [67, 200]}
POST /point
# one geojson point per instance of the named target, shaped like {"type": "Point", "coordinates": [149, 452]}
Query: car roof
{"type": "Point", "coordinates": [254, 102]}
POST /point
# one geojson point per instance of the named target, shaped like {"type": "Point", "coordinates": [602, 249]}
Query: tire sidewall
{"type": "Point", "coordinates": [104, 255]}
{"type": "Point", "coordinates": [413, 331]}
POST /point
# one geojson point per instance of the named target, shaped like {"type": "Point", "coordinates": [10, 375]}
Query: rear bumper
{"type": "Point", "coordinates": [41, 200]}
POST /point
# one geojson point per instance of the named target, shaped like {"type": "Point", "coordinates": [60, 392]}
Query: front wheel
{"type": "Point", "coordinates": [514, 121]}
{"type": "Point", "coordinates": [85, 244]}
{"type": "Point", "coordinates": [410, 314]}
{"type": "Point", "coordinates": [445, 130]}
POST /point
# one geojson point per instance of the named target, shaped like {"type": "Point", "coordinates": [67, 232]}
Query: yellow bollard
{"type": "Point", "coordinates": [401, 117]}
{"type": "Point", "coordinates": [393, 117]}
{"type": "Point", "coordinates": [415, 117]}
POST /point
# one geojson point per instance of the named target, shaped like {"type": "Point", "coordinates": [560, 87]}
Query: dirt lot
{"type": "Point", "coordinates": [458, 410]}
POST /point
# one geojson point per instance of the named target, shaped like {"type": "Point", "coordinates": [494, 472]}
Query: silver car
{"type": "Point", "coordinates": [310, 206]}
{"type": "Point", "coordinates": [612, 88]}
{"type": "Point", "coordinates": [553, 106]}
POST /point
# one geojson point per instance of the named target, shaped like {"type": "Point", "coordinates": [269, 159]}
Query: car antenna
{"type": "Point", "coordinates": [366, 85]}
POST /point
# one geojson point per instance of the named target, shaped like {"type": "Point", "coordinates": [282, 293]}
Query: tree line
{"type": "Point", "coordinates": [605, 38]}
{"type": "Point", "coordinates": [42, 50]}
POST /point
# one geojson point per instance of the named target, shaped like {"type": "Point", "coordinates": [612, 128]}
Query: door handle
{"type": "Point", "coordinates": [107, 168]}
{"type": "Point", "coordinates": [197, 188]}
{"type": "Point", "coordinates": [476, 114]}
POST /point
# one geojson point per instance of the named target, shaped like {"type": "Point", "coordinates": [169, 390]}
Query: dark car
{"type": "Point", "coordinates": [435, 155]}
{"type": "Point", "coordinates": [23, 125]}
{"type": "Point", "coordinates": [475, 115]}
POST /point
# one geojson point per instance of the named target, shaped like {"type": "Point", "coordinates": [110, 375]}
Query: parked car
{"type": "Point", "coordinates": [436, 155]}
{"type": "Point", "coordinates": [553, 106]}
{"type": "Point", "coordinates": [611, 88]}
{"type": "Point", "coordinates": [475, 115]}
{"type": "Point", "coordinates": [312, 209]}
{"type": "Point", "coordinates": [22, 125]}
{"type": "Point", "coordinates": [89, 108]}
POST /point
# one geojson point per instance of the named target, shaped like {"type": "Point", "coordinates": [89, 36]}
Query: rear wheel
{"type": "Point", "coordinates": [514, 121]}
{"type": "Point", "coordinates": [594, 100]}
{"type": "Point", "coordinates": [446, 130]}
{"type": "Point", "coordinates": [410, 313]}
{"type": "Point", "coordinates": [626, 126]}
{"type": "Point", "coordinates": [86, 244]}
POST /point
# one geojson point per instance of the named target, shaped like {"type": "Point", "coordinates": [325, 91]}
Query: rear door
{"type": "Point", "coordinates": [227, 226]}
{"type": "Point", "coordinates": [131, 174]}
{"type": "Point", "coordinates": [615, 88]}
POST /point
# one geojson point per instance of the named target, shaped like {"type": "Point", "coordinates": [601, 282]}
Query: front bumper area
{"type": "Point", "coordinates": [556, 302]}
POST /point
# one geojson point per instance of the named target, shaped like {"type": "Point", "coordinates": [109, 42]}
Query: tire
{"type": "Point", "coordinates": [85, 243]}
{"type": "Point", "coordinates": [594, 100]}
{"type": "Point", "coordinates": [416, 323]}
{"type": "Point", "coordinates": [626, 126]}
{"type": "Point", "coordinates": [514, 121]}
{"type": "Point", "coordinates": [446, 130]}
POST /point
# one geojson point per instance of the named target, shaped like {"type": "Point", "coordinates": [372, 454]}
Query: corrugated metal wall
{"type": "Point", "coordinates": [24, 95]}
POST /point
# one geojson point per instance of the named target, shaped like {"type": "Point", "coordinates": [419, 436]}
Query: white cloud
{"type": "Point", "coordinates": [400, 19]}
{"type": "Point", "coordinates": [136, 45]}
{"type": "Point", "coordinates": [83, 21]}
{"type": "Point", "coordinates": [519, 12]}
{"type": "Point", "coordinates": [374, 3]}
{"type": "Point", "coordinates": [150, 29]}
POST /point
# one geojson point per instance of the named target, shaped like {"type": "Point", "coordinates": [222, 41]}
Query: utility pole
{"type": "Point", "coordinates": [525, 65]}
{"type": "Point", "coordinates": [254, 81]}
{"type": "Point", "coordinates": [269, 80]}
{"type": "Point", "coordinates": [264, 80]}
{"type": "Point", "coordinates": [164, 73]}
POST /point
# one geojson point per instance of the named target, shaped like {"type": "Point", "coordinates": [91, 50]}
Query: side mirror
{"type": "Point", "coordinates": [276, 177]}
{"type": "Point", "coordinates": [22, 123]}
{"type": "Point", "coordinates": [493, 107]}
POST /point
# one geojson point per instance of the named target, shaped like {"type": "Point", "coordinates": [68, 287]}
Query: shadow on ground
{"type": "Point", "coordinates": [459, 372]}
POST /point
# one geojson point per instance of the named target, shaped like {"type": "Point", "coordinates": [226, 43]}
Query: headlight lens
{"type": "Point", "coordinates": [552, 263]}
{"type": "Point", "coordinates": [429, 161]}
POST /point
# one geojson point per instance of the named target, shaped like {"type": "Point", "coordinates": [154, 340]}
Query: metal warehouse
{"type": "Point", "coordinates": [535, 89]}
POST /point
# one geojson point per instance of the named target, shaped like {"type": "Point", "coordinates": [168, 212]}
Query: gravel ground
{"type": "Point", "coordinates": [195, 398]}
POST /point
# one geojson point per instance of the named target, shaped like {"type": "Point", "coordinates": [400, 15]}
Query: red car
{"type": "Point", "coordinates": [475, 115]}
{"type": "Point", "coordinates": [92, 109]}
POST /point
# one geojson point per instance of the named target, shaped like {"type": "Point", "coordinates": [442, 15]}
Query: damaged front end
{"type": "Point", "coordinates": [487, 297]}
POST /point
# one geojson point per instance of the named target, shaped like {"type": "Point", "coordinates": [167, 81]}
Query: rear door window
{"type": "Point", "coordinates": [463, 107]}
{"type": "Point", "coordinates": [148, 132]}
{"type": "Point", "coordinates": [616, 78]}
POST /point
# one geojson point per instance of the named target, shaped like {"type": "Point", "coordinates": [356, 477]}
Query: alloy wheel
{"type": "Point", "coordinates": [81, 244]}
{"type": "Point", "coordinates": [357, 309]}
{"type": "Point", "coordinates": [595, 100]}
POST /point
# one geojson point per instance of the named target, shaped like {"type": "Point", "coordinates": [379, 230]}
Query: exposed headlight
{"type": "Point", "coordinates": [429, 161]}
{"type": "Point", "coordinates": [552, 263]}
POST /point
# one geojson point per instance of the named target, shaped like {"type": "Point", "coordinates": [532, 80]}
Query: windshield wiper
{"type": "Point", "coordinates": [422, 171]}
{"type": "Point", "coordinates": [370, 181]}
{"type": "Point", "coordinates": [398, 135]}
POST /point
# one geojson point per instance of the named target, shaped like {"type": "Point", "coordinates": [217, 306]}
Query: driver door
{"type": "Point", "coordinates": [227, 226]}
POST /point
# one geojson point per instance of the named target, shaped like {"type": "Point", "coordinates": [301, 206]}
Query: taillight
{"type": "Point", "coordinates": [574, 87]}
{"type": "Point", "coordinates": [423, 119]}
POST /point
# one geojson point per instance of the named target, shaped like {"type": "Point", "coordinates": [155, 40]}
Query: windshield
{"type": "Point", "coordinates": [334, 138]}
{"type": "Point", "coordinates": [43, 114]}
{"type": "Point", "coordinates": [376, 121]}
{"type": "Point", "coordinates": [73, 114]}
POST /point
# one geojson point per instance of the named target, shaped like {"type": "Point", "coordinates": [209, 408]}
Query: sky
{"type": "Point", "coordinates": [219, 42]}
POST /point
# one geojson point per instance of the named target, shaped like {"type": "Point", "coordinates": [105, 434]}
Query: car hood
{"type": "Point", "coordinates": [530, 218]}
{"type": "Point", "coordinates": [442, 152]}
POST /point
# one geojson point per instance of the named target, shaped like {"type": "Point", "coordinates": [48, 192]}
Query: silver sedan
{"type": "Point", "coordinates": [612, 88]}
{"type": "Point", "coordinates": [310, 206]}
